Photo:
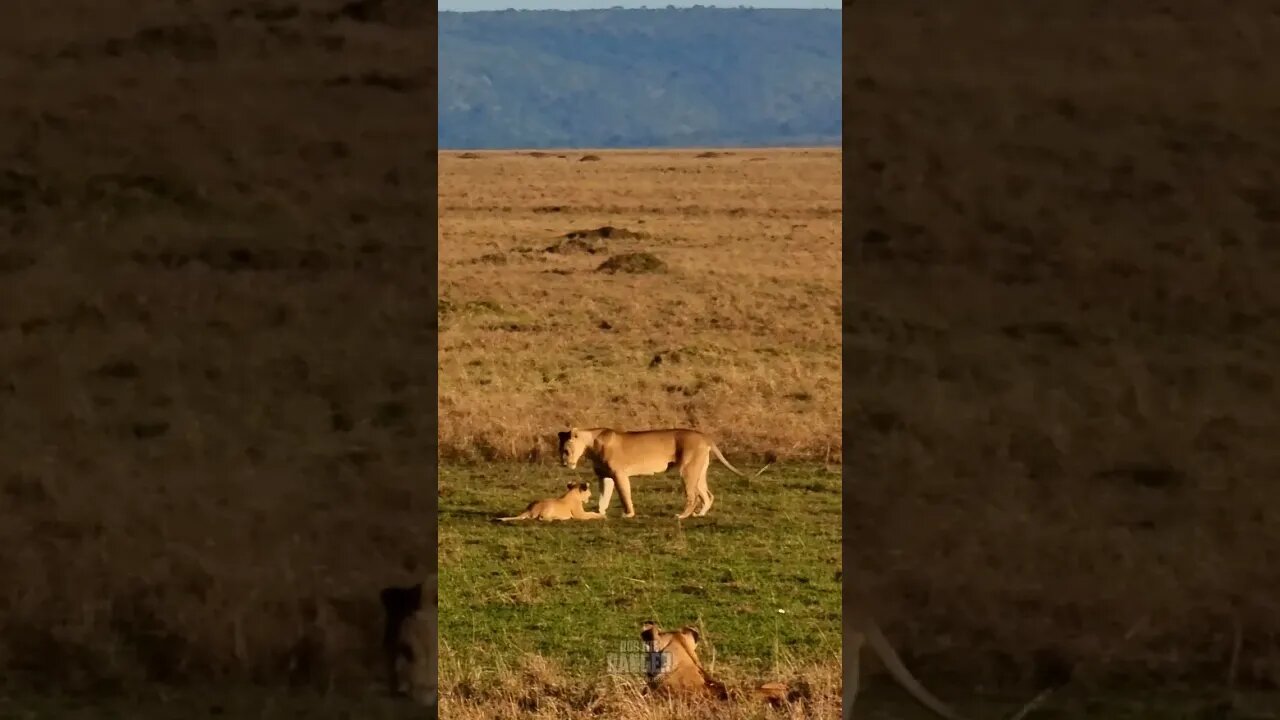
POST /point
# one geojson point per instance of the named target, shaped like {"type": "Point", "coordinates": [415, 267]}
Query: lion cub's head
{"type": "Point", "coordinates": [578, 492]}
{"type": "Point", "coordinates": [409, 640]}
{"type": "Point", "coordinates": [573, 443]}
{"type": "Point", "coordinates": [672, 661]}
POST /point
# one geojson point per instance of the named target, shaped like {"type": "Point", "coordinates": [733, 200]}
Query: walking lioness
{"type": "Point", "coordinates": [617, 455]}
{"type": "Point", "coordinates": [567, 506]}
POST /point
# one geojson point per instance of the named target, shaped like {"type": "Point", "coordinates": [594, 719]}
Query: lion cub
{"type": "Point", "coordinates": [567, 506]}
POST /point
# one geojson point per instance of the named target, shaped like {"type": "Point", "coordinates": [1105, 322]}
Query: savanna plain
{"type": "Point", "coordinates": [689, 288]}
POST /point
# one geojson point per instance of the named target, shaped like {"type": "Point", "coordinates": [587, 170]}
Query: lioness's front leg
{"type": "Point", "coordinates": [606, 493]}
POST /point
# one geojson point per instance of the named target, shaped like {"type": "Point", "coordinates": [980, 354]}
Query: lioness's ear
{"type": "Point", "coordinates": [693, 632]}
{"type": "Point", "coordinates": [650, 628]}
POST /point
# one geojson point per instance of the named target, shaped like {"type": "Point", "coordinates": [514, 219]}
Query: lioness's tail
{"type": "Point", "coordinates": [899, 671]}
{"type": "Point", "coordinates": [716, 451]}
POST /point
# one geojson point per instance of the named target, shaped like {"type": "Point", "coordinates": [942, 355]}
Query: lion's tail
{"type": "Point", "coordinates": [720, 456]}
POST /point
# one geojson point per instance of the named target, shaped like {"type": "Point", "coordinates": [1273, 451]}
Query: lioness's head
{"type": "Point", "coordinates": [573, 443]}
{"type": "Point", "coordinates": [668, 649]}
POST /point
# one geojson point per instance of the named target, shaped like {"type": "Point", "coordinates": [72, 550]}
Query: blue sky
{"type": "Point", "coordinates": [465, 5]}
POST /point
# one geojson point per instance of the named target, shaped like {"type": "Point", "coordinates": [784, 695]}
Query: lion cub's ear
{"type": "Point", "coordinates": [649, 631]}
{"type": "Point", "coordinates": [564, 436]}
{"type": "Point", "coordinates": [571, 486]}
{"type": "Point", "coordinates": [584, 487]}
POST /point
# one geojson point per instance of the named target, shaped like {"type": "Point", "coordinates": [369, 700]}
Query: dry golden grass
{"type": "Point", "coordinates": [739, 335]}
{"type": "Point", "coordinates": [536, 688]}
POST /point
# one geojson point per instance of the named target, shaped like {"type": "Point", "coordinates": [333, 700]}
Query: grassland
{"type": "Point", "coordinates": [730, 324]}
{"type": "Point", "coordinates": [757, 575]}
{"type": "Point", "coordinates": [738, 332]}
{"type": "Point", "coordinates": [1061, 340]}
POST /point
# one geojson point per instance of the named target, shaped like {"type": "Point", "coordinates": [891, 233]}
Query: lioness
{"type": "Point", "coordinates": [409, 640]}
{"type": "Point", "coordinates": [565, 507]}
{"type": "Point", "coordinates": [671, 663]}
{"type": "Point", "coordinates": [672, 667]}
{"type": "Point", "coordinates": [617, 455]}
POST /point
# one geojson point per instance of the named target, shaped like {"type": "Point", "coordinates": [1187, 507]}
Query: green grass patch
{"type": "Point", "coordinates": [757, 575]}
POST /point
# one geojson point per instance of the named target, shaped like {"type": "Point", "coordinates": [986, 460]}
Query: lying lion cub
{"type": "Point", "coordinates": [567, 506]}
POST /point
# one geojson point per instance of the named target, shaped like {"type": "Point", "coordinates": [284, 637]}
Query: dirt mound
{"type": "Point", "coordinates": [575, 245]}
{"type": "Point", "coordinates": [495, 258]}
{"type": "Point", "coordinates": [603, 232]}
{"type": "Point", "coordinates": [589, 241]}
{"type": "Point", "coordinates": [638, 262]}
{"type": "Point", "coordinates": [589, 158]}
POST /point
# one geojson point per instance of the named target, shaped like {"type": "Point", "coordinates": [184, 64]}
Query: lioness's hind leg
{"type": "Point", "coordinates": [694, 473]}
{"type": "Point", "coordinates": [704, 493]}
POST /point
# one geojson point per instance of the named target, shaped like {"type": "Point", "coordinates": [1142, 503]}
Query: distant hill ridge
{"type": "Point", "coordinates": [639, 78]}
